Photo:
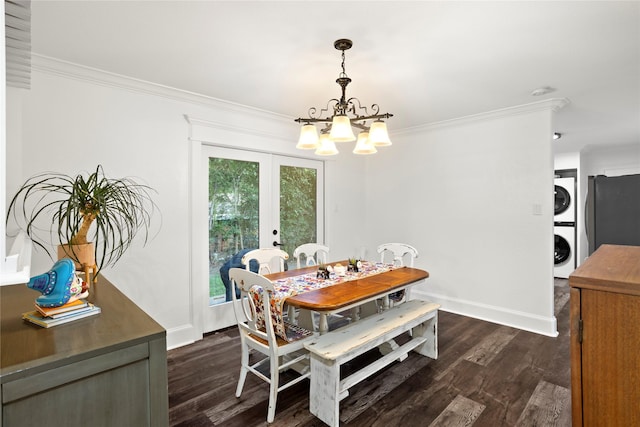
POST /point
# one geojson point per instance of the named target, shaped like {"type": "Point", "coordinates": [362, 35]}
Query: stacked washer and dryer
{"type": "Point", "coordinates": [564, 227]}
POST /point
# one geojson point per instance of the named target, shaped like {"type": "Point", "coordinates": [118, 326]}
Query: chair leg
{"type": "Point", "coordinates": [368, 308]}
{"type": "Point", "coordinates": [291, 313]}
{"type": "Point", "coordinates": [273, 388]}
{"type": "Point", "coordinates": [305, 320]}
{"type": "Point", "coordinates": [243, 376]}
{"type": "Point", "coordinates": [244, 362]}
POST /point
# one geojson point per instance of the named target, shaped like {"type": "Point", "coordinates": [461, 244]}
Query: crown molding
{"type": "Point", "coordinates": [232, 128]}
{"type": "Point", "coordinates": [552, 105]}
{"type": "Point", "coordinates": [71, 70]}
{"type": "Point", "coordinates": [58, 67]}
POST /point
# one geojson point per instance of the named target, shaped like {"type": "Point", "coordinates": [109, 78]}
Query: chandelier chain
{"type": "Point", "coordinates": [344, 72]}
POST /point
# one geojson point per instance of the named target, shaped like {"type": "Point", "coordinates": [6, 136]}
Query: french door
{"type": "Point", "coordinates": [255, 200]}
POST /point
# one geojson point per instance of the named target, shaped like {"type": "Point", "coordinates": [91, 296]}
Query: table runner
{"type": "Point", "coordinates": [294, 285]}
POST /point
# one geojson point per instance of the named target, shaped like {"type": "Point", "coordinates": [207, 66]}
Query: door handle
{"type": "Point", "coordinates": [277, 244]}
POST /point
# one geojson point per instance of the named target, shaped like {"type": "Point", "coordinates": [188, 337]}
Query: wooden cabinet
{"type": "Point", "coordinates": [104, 370]}
{"type": "Point", "coordinates": [605, 338]}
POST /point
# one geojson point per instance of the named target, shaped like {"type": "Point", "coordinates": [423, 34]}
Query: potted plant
{"type": "Point", "coordinates": [118, 209]}
{"type": "Point", "coordinates": [353, 265]}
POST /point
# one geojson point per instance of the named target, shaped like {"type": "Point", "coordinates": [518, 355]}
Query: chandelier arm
{"type": "Point", "coordinates": [360, 126]}
{"type": "Point", "coordinates": [373, 116]}
{"type": "Point", "coordinates": [375, 108]}
{"type": "Point", "coordinates": [326, 129]}
{"type": "Point", "coordinates": [351, 102]}
{"type": "Point", "coordinates": [312, 120]}
{"type": "Point", "coordinates": [315, 118]}
{"type": "Point", "coordinates": [352, 119]}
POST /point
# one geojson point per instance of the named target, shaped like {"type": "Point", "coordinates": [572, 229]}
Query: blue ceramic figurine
{"type": "Point", "coordinates": [58, 286]}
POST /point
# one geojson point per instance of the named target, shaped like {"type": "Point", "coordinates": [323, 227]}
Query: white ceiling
{"type": "Point", "coordinates": [423, 61]}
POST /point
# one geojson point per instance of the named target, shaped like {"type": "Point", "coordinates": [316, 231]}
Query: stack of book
{"type": "Point", "coordinates": [48, 317]}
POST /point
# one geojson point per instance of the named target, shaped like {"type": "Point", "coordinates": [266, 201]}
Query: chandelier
{"type": "Point", "coordinates": [346, 114]}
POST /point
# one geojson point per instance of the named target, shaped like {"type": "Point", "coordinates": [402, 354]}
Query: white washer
{"type": "Point", "coordinates": [565, 199]}
{"type": "Point", "coordinates": [564, 257]}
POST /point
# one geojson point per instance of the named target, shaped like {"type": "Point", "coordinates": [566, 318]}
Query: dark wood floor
{"type": "Point", "coordinates": [486, 375]}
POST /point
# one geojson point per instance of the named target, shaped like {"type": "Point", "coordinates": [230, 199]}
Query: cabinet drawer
{"type": "Point", "coordinates": [108, 390]}
{"type": "Point", "coordinates": [58, 376]}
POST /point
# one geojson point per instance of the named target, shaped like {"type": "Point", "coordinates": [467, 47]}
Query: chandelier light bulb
{"type": "Point", "coordinates": [378, 135]}
{"type": "Point", "coordinates": [326, 146]}
{"type": "Point", "coordinates": [308, 137]}
{"type": "Point", "coordinates": [364, 145]}
{"type": "Point", "coordinates": [341, 129]}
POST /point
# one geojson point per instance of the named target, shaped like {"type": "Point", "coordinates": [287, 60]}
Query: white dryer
{"type": "Point", "coordinates": [564, 256]}
{"type": "Point", "coordinates": [565, 200]}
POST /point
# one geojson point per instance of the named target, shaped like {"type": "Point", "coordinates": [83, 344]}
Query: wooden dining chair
{"type": "Point", "coordinates": [398, 252]}
{"type": "Point", "coordinates": [391, 253]}
{"type": "Point", "coordinates": [314, 253]}
{"type": "Point", "coordinates": [265, 258]}
{"type": "Point", "coordinates": [264, 339]}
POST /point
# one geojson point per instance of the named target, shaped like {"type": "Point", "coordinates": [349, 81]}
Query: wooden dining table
{"type": "Point", "coordinates": [350, 293]}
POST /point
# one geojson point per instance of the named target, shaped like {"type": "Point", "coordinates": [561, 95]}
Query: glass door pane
{"type": "Point", "coordinates": [234, 221]}
{"type": "Point", "coordinates": [298, 208]}
{"type": "Point", "coordinates": [298, 186]}
{"type": "Point", "coordinates": [235, 215]}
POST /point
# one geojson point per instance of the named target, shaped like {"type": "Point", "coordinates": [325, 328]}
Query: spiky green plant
{"type": "Point", "coordinates": [120, 209]}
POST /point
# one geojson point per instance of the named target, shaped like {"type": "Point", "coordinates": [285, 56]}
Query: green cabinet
{"type": "Point", "coordinates": [104, 370]}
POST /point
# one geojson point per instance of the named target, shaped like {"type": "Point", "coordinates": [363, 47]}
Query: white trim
{"type": "Point", "coordinates": [553, 104]}
{"type": "Point", "coordinates": [59, 67]}
{"type": "Point", "coordinates": [209, 132]}
{"type": "Point", "coordinates": [196, 268]}
{"type": "Point", "coordinates": [516, 319]}
{"type": "Point", "coordinates": [181, 336]}
{"type": "Point", "coordinates": [221, 315]}
{"type": "Point", "coordinates": [200, 133]}
{"type": "Point", "coordinates": [96, 76]}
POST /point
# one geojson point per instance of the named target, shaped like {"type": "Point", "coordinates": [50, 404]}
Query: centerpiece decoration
{"type": "Point", "coordinates": [323, 272]}
{"type": "Point", "coordinates": [354, 265]}
{"type": "Point", "coordinates": [340, 270]}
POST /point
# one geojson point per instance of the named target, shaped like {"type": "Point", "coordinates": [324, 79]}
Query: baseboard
{"type": "Point", "coordinates": [516, 319]}
{"type": "Point", "coordinates": [181, 336]}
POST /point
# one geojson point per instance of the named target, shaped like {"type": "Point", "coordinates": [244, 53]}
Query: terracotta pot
{"type": "Point", "coordinates": [83, 257]}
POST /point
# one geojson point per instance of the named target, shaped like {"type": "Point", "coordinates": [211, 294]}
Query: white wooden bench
{"type": "Point", "coordinates": [337, 347]}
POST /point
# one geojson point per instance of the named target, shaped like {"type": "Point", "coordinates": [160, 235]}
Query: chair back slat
{"type": "Point", "coordinates": [314, 253]}
{"type": "Point", "coordinates": [246, 308]}
{"type": "Point", "coordinates": [264, 256]}
{"type": "Point", "coordinates": [398, 252]}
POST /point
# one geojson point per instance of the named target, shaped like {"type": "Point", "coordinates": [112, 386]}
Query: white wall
{"type": "Point", "coordinates": [71, 125]}
{"type": "Point", "coordinates": [466, 199]}
{"type": "Point", "coordinates": [612, 161]}
{"type": "Point", "coordinates": [475, 197]}
{"type": "Point", "coordinates": [74, 118]}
